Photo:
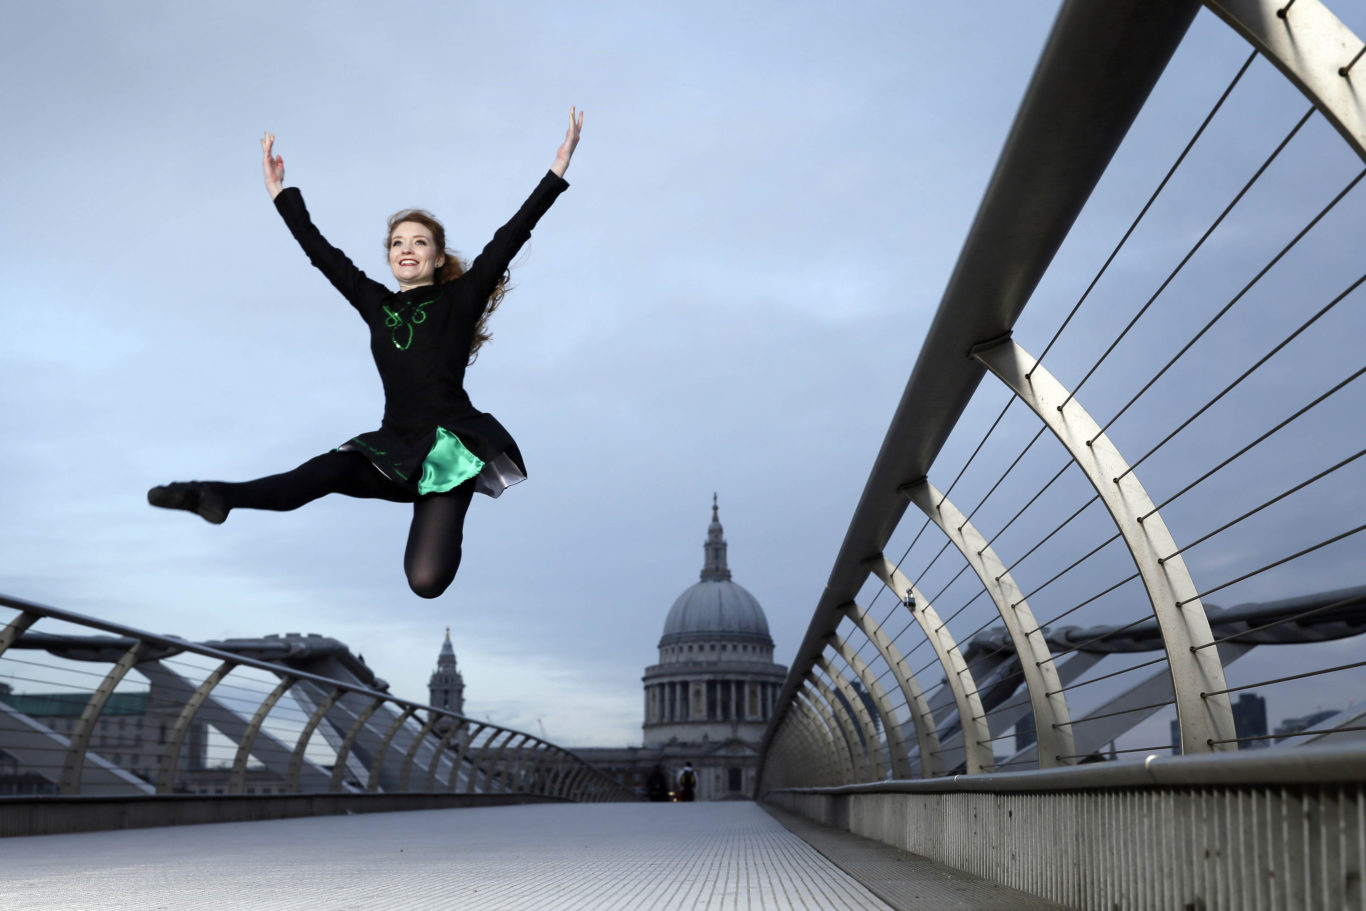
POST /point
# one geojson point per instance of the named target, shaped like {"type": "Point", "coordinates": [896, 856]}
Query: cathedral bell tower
{"type": "Point", "coordinates": [446, 687]}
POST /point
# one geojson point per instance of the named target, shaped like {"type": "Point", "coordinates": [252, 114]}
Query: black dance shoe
{"type": "Point", "coordinates": [192, 496]}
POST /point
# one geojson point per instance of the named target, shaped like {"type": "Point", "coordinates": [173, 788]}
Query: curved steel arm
{"type": "Point", "coordinates": [1311, 47]}
{"type": "Point", "coordinates": [819, 741]}
{"type": "Point", "coordinates": [976, 735]}
{"type": "Point", "coordinates": [296, 761]}
{"type": "Point", "coordinates": [481, 768]}
{"type": "Point", "coordinates": [344, 751]}
{"type": "Point", "coordinates": [80, 737]}
{"type": "Point", "coordinates": [498, 769]}
{"type": "Point", "coordinates": [377, 761]}
{"type": "Point", "coordinates": [922, 718]}
{"type": "Point", "coordinates": [1205, 720]}
{"type": "Point", "coordinates": [15, 629]}
{"type": "Point", "coordinates": [441, 754]}
{"type": "Point", "coordinates": [238, 782]}
{"type": "Point", "coordinates": [170, 757]}
{"type": "Point", "coordinates": [405, 773]}
{"type": "Point", "coordinates": [461, 754]}
{"type": "Point", "coordinates": [898, 757]}
{"type": "Point", "coordinates": [839, 743]}
{"type": "Point", "coordinates": [824, 767]}
{"type": "Point", "coordinates": [578, 784]}
{"type": "Point", "coordinates": [873, 751]}
{"type": "Point", "coordinates": [861, 762]}
{"type": "Point", "coordinates": [1051, 717]}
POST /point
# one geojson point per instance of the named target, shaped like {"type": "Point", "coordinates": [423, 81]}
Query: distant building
{"type": "Point", "coordinates": [446, 688]}
{"type": "Point", "coordinates": [1249, 720]}
{"type": "Point", "coordinates": [131, 732]}
{"type": "Point", "coordinates": [709, 698]}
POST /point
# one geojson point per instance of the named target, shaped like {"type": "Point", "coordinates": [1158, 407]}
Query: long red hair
{"type": "Point", "coordinates": [450, 270]}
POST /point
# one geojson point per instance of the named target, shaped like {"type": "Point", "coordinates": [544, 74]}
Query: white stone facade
{"type": "Point", "coordinates": [710, 696]}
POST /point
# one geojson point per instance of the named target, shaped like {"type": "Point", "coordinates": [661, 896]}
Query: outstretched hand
{"type": "Point", "coordinates": [571, 139]}
{"type": "Point", "coordinates": [274, 168]}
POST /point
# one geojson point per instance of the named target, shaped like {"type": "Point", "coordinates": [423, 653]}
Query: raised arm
{"type": "Point", "coordinates": [360, 290]}
{"type": "Point", "coordinates": [490, 265]}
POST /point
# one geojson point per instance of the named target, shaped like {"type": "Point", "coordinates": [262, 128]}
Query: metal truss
{"type": "Point", "coordinates": [381, 744]}
{"type": "Point", "coordinates": [1096, 71]}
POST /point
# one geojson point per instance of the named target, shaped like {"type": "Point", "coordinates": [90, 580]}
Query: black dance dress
{"type": "Point", "coordinates": [432, 438]}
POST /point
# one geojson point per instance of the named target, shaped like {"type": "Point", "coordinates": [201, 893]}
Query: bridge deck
{"type": "Point", "coordinates": [543, 856]}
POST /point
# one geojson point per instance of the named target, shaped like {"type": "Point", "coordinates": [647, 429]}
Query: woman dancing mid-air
{"type": "Point", "coordinates": [433, 449]}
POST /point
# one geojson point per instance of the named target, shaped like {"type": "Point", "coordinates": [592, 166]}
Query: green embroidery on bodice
{"type": "Point", "coordinates": [402, 321]}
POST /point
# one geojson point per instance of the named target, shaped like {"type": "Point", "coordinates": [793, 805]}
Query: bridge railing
{"type": "Point", "coordinates": [1131, 442]}
{"type": "Point", "coordinates": [97, 709]}
{"type": "Point", "coordinates": [1130, 449]}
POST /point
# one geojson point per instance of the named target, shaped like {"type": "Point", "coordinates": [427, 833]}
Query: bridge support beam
{"type": "Point", "coordinates": [1052, 722]}
{"type": "Point", "coordinates": [170, 757]}
{"type": "Point", "coordinates": [899, 764]}
{"type": "Point", "coordinates": [958, 678]}
{"type": "Point", "coordinates": [1312, 47]}
{"type": "Point", "coordinates": [85, 725]}
{"type": "Point", "coordinates": [1205, 720]}
{"type": "Point", "coordinates": [926, 732]}
{"type": "Point", "coordinates": [861, 764]}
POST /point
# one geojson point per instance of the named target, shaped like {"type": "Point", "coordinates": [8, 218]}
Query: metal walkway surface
{"type": "Point", "coordinates": [542, 856]}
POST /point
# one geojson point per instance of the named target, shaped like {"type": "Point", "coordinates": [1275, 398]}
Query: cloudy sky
{"type": "Point", "coordinates": [764, 209]}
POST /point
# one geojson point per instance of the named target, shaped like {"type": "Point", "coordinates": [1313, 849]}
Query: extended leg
{"type": "Point", "coordinates": [433, 554]}
{"type": "Point", "coordinates": [343, 472]}
{"type": "Point", "coordinates": [347, 473]}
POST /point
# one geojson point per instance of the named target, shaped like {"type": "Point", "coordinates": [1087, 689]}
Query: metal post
{"type": "Point", "coordinates": [839, 743]}
{"type": "Point", "coordinates": [377, 761]}
{"type": "Point", "coordinates": [1312, 47]}
{"type": "Point", "coordinates": [406, 771]}
{"type": "Point", "coordinates": [11, 633]}
{"type": "Point", "coordinates": [898, 755]}
{"type": "Point", "coordinates": [80, 736]}
{"type": "Point", "coordinates": [976, 735]}
{"type": "Point", "coordinates": [170, 757]}
{"type": "Point", "coordinates": [296, 761]}
{"type": "Point", "coordinates": [344, 751]}
{"type": "Point", "coordinates": [873, 754]}
{"type": "Point", "coordinates": [237, 783]}
{"type": "Point", "coordinates": [1205, 721]}
{"type": "Point", "coordinates": [1051, 717]}
{"type": "Point", "coordinates": [460, 758]}
{"type": "Point", "coordinates": [441, 753]}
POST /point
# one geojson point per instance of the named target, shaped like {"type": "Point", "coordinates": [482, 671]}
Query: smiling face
{"type": "Point", "coordinates": [414, 256]}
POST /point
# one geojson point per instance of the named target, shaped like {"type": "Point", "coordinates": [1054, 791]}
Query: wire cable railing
{"type": "Point", "coordinates": [163, 715]}
{"type": "Point", "coordinates": [1025, 550]}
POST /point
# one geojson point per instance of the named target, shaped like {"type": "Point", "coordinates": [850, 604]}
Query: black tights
{"type": "Point", "coordinates": [433, 553]}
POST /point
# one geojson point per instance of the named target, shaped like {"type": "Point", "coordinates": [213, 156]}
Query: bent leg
{"type": "Point", "coordinates": [433, 554]}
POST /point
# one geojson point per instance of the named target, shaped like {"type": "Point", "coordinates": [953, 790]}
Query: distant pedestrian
{"type": "Point", "coordinates": [687, 783]}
